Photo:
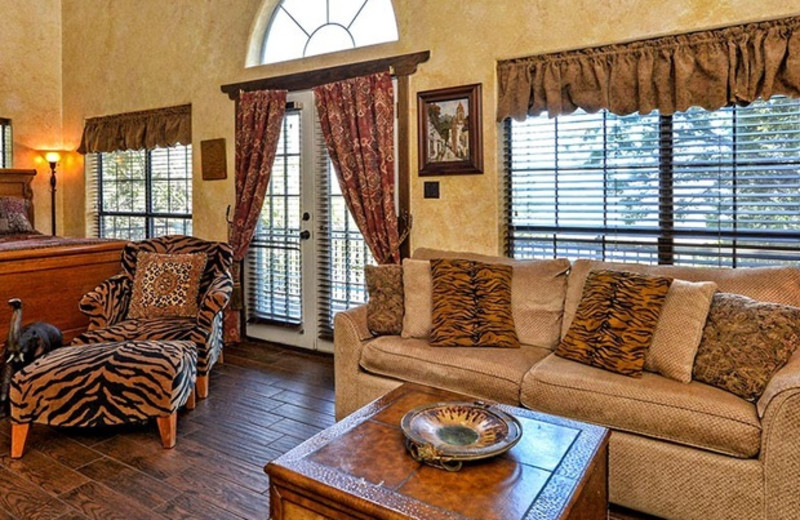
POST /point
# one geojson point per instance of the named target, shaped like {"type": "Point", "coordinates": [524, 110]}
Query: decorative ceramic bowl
{"type": "Point", "coordinates": [446, 434]}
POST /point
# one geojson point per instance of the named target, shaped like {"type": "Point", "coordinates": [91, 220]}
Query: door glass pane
{"type": "Point", "coordinates": [274, 288]}
{"type": "Point", "coordinates": [349, 254]}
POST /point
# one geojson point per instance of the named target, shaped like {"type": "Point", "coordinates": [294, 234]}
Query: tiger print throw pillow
{"type": "Point", "coordinates": [385, 303]}
{"type": "Point", "coordinates": [472, 305]}
{"type": "Point", "coordinates": [166, 285]}
{"type": "Point", "coordinates": [615, 321]}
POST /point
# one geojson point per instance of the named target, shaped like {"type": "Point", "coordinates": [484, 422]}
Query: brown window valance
{"type": "Point", "coordinates": [709, 69]}
{"type": "Point", "coordinates": [146, 130]}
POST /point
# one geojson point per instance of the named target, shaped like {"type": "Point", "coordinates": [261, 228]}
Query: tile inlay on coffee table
{"type": "Point", "coordinates": [359, 468]}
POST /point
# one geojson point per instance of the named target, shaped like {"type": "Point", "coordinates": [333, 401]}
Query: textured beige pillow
{"type": "Point", "coordinates": [680, 329]}
{"type": "Point", "coordinates": [418, 294]}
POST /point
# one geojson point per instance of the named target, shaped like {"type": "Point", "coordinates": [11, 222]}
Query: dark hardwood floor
{"type": "Point", "coordinates": [264, 401]}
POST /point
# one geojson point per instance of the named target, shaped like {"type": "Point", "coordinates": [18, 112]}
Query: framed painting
{"type": "Point", "coordinates": [450, 141]}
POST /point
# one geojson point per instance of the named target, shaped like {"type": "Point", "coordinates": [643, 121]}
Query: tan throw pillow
{"type": "Point", "coordinates": [418, 299]}
{"type": "Point", "coordinates": [615, 321]}
{"type": "Point", "coordinates": [385, 304]}
{"type": "Point", "coordinates": [679, 329]}
{"type": "Point", "coordinates": [744, 343]}
{"type": "Point", "coordinates": [472, 305]}
{"type": "Point", "coordinates": [166, 285]}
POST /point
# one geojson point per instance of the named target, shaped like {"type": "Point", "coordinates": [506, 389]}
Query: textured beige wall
{"type": "Point", "coordinates": [30, 88]}
{"type": "Point", "coordinates": [131, 55]}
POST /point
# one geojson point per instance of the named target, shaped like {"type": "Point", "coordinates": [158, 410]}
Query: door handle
{"type": "Point", "coordinates": [305, 234]}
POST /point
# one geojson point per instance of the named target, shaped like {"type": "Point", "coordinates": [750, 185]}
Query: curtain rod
{"type": "Point", "coordinates": [402, 65]}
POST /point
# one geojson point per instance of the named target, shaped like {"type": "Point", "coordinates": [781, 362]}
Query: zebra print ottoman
{"type": "Point", "coordinates": [105, 384]}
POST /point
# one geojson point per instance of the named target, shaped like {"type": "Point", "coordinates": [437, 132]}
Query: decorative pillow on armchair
{"type": "Point", "coordinates": [744, 343]}
{"type": "Point", "coordinates": [385, 304]}
{"type": "Point", "coordinates": [472, 305]}
{"type": "Point", "coordinates": [615, 321]}
{"type": "Point", "coordinates": [14, 214]}
{"type": "Point", "coordinates": [166, 285]}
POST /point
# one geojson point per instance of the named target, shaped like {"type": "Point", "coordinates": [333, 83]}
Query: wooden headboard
{"type": "Point", "coordinates": [17, 183]}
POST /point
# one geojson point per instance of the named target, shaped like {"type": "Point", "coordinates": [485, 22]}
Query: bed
{"type": "Point", "coordinates": [49, 274]}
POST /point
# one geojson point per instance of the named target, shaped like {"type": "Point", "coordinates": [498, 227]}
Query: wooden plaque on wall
{"type": "Point", "coordinates": [212, 159]}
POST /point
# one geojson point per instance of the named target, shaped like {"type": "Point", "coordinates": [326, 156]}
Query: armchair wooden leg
{"type": "Point", "coordinates": [202, 386]}
{"type": "Point", "coordinates": [221, 358]}
{"type": "Point", "coordinates": [191, 402]}
{"type": "Point", "coordinates": [168, 428]}
{"type": "Point", "coordinates": [19, 434]}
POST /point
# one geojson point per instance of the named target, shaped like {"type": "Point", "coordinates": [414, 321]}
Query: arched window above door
{"type": "Point", "coordinates": [300, 28]}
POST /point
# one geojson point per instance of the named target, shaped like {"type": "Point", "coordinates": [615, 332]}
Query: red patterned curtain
{"type": "Point", "coordinates": [258, 126]}
{"type": "Point", "coordinates": [357, 118]}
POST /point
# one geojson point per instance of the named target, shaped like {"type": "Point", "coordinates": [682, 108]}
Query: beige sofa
{"type": "Point", "coordinates": [688, 451]}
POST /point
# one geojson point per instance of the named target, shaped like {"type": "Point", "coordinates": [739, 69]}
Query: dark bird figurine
{"type": "Point", "coordinates": [24, 345]}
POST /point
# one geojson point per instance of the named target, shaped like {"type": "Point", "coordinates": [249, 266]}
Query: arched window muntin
{"type": "Point", "coordinates": [302, 28]}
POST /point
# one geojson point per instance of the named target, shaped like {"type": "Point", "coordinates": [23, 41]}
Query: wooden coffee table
{"type": "Point", "coordinates": [359, 468]}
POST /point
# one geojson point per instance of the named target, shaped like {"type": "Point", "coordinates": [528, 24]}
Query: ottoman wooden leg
{"type": "Point", "coordinates": [19, 433]}
{"type": "Point", "coordinates": [191, 402]}
{"type": "Point", "coordinates": [202, 386]}
{"type": "Point", "coordinates": [168, 428]}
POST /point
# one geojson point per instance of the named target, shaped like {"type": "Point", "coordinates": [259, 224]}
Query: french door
{"type": "Point", "coordinates": [307, 258]}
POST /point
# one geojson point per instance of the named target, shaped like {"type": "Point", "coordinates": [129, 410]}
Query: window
{"type": "Point", "coordinates": [343, 253]}
{"type": "Point", "coordinates": [275, 285]}
{"type": "Point", "coordinates": [142, 194]}
{"type": "Point", "coordinates": [6, 153]}
{"type": "Point", "coordinates": [697, 188]}
{"type": "Point", "coordinates": [306, 261]}
{"type": "Point", "coordinates": [300, 28]}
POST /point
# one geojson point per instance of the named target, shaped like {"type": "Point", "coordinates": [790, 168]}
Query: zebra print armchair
{"type": "Point", "coordinates": [107, 304]}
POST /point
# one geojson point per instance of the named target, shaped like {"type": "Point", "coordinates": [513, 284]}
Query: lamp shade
{"type": "Point", "coordinates": [52, 157]}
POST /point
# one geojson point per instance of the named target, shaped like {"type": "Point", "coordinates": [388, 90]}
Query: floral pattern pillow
{"type": "Point", "coordinates": [744, 343]}
{"type": "Point", "coordinates": [14, 215]}
{"type": "Point", "coordinates": [385, 304]}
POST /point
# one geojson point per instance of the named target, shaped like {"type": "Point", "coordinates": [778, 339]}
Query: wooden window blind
{"type": "Point", "coordinates": [718, 188]}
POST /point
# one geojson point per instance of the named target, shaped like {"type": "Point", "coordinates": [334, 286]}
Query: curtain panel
{"type": "Point", "coordinates": [259, 118]}
{"type": "Point", "coordinates": [709, 69]}
{"type": "Point", "coordinates": [357, 119]}
{"type": "Point", "coordinates": [143, 130]}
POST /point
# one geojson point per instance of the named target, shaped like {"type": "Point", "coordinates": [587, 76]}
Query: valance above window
{"type": "Point", "coordinates": [143, 130]}
{"type": "Point", "coordinates": [709, 69]}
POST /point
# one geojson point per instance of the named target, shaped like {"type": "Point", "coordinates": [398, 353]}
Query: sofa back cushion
{"type": "Point", "coordinates": [768, 284]}
{"type": "Point", "coordinates": [538, 288]}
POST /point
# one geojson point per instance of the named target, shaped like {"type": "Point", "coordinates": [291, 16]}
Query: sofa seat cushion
{"type": "Point", "coordinates": [489, 373]}
{"type": "Point", "coordinates": [691, 414]}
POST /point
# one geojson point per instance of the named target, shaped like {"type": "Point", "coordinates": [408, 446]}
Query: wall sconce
{"type": "Point", "coordinates": [52, 157]}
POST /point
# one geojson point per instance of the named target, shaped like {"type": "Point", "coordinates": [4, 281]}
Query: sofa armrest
{"type": "Point", "coordinates": [216, 298]}
{"type": "Point", "coordinates": [350, 333]}
{"type": "Point", "coordinates": [779, 407]}
{"type": "Point", "coordinates": [786, 379]}
{"type": "Point", "coordinates": [107, 303]}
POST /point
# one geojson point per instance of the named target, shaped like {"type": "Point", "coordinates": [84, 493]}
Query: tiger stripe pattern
{"type": "Point", "coordinates": [104, 385]}
{"type": "Point", "coordinates": [615, 321]}
{"type": "Point", "coordinates": [107, 304]}
{"type": "Point", "coordinates": [472, 305]}
{"type": "Point", "coordinates": [109, 301]}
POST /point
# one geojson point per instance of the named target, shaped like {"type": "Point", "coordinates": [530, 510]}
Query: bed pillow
{"type": "Point", "coordinates": [166, 285]}
{"type": "Point", "coordinates": [472, 305]}
{"type": "Point", "coordinates": [680, 329]}
{"type": "Point", "coordinates": [14, 211]}
{"type": "Point", "coordinates": [744, 343]}
{"type": "Point", "coordinates": [615, 321]}
{"type": "Point", "coordinates": [385, 303]}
